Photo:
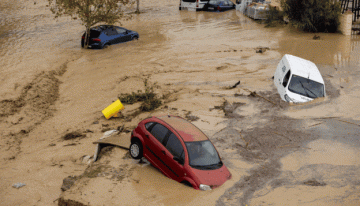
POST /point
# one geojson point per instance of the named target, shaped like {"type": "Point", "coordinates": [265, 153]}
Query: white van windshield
{"type": "Point", "coordinates": [306, 87]}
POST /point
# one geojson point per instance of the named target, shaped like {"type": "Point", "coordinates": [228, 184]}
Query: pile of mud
{"type": "Point", "coordinates": [21, 115]}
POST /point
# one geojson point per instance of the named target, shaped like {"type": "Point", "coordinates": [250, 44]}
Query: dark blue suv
{"type": "Point", "coordinates": [103, 35]}
{"type": "Point", "coordinates": [219, 5]}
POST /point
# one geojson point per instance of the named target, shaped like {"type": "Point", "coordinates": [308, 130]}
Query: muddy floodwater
{"type": "Point", "coordinates": [278, 153]}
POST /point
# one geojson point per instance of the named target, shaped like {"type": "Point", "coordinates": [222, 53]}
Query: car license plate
{"type": "Point", "coordinates": [211, 8]}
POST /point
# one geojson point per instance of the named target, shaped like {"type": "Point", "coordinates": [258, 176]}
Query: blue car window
{"type": "Point", "coordinates": [120, 30]}
{"type": "Point", "coordinates": [110, 31]}
{"type": "Point", "coordinates": [94, 33]}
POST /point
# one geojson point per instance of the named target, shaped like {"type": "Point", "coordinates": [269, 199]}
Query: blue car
{"type": "Point", "coordinates": [219, 5]}
{"type": "Point", "coordinates": [104, 35]}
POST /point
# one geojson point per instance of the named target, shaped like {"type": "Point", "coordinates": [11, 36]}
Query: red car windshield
{"type": "Point", "coordinates": [203, 155]}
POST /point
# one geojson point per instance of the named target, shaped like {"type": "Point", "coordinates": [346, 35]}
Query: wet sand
{"type": "Point", "coordinates": [50, 87]}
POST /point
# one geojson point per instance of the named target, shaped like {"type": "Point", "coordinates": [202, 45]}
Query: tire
{"type": "Point", "coordinates": [136, 150]}
{"type": "Point", "coordinates": [82, 43]}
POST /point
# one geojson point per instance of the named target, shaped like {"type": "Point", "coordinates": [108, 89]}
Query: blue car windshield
{"type": "Point", "coordinates": [306, 87]}
{"type": "Point", "coordinates": [203, 155]}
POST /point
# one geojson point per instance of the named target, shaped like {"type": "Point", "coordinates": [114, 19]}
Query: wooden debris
{"type": "Point", "coordinates": [246, 143]}
{"type": "Point", "coordinates": [255, 94]}
{"type": "Point", "coordinates": [315, 124]}
{"type": "Point", "coordinates": [347, 122]}
{"type": "Point", "coordinates": [283, 136]}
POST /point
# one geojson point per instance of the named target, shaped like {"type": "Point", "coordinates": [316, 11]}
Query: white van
{"type": "Point", "coordinates": [192, 5]}
{"type": "Point", "coordinates": [242, 4]}
{"type": "Point", "coordinates": [298, 80]}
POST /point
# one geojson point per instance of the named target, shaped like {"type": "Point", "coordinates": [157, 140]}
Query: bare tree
{"type": "Point", "coordinates": [91, 12]}
{"type": "Point", "coordinates": [138, 6]}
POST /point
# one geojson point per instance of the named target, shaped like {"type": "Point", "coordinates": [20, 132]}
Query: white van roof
{"type": "Point", "coordinates": [303, 67]}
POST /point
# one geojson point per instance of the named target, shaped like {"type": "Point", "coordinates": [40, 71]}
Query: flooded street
{"type": "Point", "coordinates": [278, 154]}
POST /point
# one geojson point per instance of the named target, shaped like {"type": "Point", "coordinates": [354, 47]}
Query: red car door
{"type": "Point", "coordinates": [158, 152]}
{"type": "Point", "coordinates": [174, 148]}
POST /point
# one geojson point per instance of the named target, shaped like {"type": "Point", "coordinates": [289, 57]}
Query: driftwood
{"type": "Point", "coordinates": [246, 143]}
{"type": "Point", "coordinates": [283, 136]}
{"type": "Point", "coordinates": [326, 118]}
{"type": "Point", "coordinates": [347, 122]}
{"type": "Point", "coordinates": [255, 94]}
{"type": "Point", "coordinates": [337, 120]}
{"type": "Point", "coordinates": [315, 124]}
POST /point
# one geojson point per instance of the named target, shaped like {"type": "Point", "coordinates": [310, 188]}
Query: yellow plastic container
{"type": "Point", "coordinates": [113, 109]}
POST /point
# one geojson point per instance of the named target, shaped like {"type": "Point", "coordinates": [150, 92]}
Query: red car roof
{"type": "Point", "coordinates": [186, 130]}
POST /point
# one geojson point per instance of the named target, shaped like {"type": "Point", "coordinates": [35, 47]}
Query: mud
{"type": "Point", "coordinates": [207, 70]}
{"type": "Point", "coordinates": [35, 104]}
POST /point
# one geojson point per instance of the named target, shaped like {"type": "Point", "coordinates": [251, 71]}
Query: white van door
{"type": "Point", "coordinates": [188, 5]}
{"type": "Point", "coordinates": [281, 78]}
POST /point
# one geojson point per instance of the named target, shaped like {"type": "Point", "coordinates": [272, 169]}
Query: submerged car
{"type": "Point", "coordinates": [103, 35]}
{"type": "Point", "coordinates": [192, 5]}
{"type": "Point", "coordinates": [298, 80]}
{"type": "Point", "coordinates": [180, 151]}
{"type": "Point", "coordinates": [219, 5]}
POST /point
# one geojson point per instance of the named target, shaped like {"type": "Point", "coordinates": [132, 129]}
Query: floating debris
{"type": "Point", "coordinates": [19, 185]}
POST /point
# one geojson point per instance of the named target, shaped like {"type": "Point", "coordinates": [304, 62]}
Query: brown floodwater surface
{"type": "Point", "coordinates": [195, 56]}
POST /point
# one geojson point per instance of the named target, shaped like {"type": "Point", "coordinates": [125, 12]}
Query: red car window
{"type": "Point", "coordinates": [159, 132]}
{"type": "Point", "coordinates": [174, 146]}
{"type": "Point", "coordinates": [148, 125]}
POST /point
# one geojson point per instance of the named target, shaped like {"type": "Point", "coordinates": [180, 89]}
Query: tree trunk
{"type": "Point", "coordinates": [87, 37]}
{"type": "Point", "coordinates": [137, 6]}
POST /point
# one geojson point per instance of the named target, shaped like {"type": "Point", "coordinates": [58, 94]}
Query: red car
{"type": "Point", "coordinates": [179, 150]}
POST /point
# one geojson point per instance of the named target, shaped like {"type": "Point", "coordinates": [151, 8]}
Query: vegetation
{"type": "Point", "coordinates": [313, 15]}
{"type": "Point", "coordinates": [149, 99]}
{"type": "Point", "coordinates": [73, 135]}
{"type": "Point", "coordinates": [91, 12]}
{"type": "Point", "coordinates": [274, 17]}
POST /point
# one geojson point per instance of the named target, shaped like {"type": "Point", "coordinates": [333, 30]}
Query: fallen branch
{"type": "Point", "coordinates": [293, 146]}
{"type": "Point", "coordinates": [254, 93]}
{"type": "Point", "coordinates": [326, 118]}
{"type": "Point", "coordinates": [347, 122]}
{"type": "Point", "coordinates": [315, 124]}
{"type": "Point", "coordinates": [288, 145]}
{"type": "Point", "coordinates": [246, 143]}
{"type": "Point", "coordinates": [283, 136]}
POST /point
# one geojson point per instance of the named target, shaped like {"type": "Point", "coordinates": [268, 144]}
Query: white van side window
{"type": "Point", "coordinates": [286, 79]}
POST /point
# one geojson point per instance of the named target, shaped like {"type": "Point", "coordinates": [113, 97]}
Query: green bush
{"type": "Point", "coordinates": [274, 17]}
{"type": "Point", "coordinates": [313, 15]}
{"type": "Point", "coordinates": [149, 100]}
